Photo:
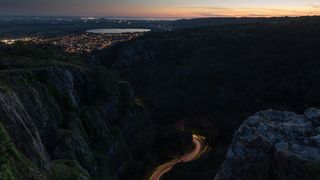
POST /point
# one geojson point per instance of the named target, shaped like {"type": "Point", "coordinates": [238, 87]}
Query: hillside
{"type": "Point", "coordinates": [131, 107]}
{"type": "Point", "coordinates": [61, 118]}
{"type": "Point", "coordinates": [212, 78]}
{"type": "Point", "coordinates": [68, 126]}
{"type": "Point", "coordinates": [222, 74]}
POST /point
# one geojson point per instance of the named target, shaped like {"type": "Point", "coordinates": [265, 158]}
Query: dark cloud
{"type": "Point", "coordinates": [48, 7]}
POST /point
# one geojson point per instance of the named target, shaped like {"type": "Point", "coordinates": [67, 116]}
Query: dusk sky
{"type": "Point", "coordinates": [161, 8]}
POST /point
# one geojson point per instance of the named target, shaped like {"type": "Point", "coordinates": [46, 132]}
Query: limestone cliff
{"type": "Point", "coordinates": [275, 145]}
{"type": "Point", "coordinates": [71, 123]}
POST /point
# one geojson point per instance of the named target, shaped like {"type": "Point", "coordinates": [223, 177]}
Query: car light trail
{"type": "Point", "coordinates": [200, 147]}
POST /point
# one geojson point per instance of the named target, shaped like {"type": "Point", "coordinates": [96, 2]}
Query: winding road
{"type": "Point", "coordinates": [200, 147]}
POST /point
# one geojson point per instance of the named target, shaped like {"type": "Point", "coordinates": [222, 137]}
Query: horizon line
{"type": "Point", "coordinates": [174, 18]}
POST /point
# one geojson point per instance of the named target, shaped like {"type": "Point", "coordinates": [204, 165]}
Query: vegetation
{"type": "Point", "coordinates": [209, 79]}
{"type": "Point", "coordinates": [223, 74]}
{"type": "Point", "coordinates": [67, 170]}
{"type": "Point", "coordinates": [28, 55]}
{"type": "Point", "coordinates": [13, 165]}
{"type": "Point", "coordinates": [212, 78]}
{"type": "Point", "coordinates": [77, 134]}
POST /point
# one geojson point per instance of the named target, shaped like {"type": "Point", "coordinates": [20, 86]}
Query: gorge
{"type": "Point", "coordinates": [136, 110]}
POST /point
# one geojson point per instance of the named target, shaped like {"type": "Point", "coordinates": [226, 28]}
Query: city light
{"type": "Point", "coordinates": [79, 43]}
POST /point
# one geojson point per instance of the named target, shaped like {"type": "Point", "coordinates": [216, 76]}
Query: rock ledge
{"type": "Point", "coordinates": [277, 145]}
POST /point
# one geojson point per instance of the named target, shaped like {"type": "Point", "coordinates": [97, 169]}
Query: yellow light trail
{"type": "Point", "coordinates": [200, 147]}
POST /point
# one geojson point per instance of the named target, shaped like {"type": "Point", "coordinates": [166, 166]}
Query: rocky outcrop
{"type": "Point", "coordinates": [275, 145]}
{"type": "Point", "coordinates": [74, 122]}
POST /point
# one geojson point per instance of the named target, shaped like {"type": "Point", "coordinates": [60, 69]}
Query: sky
{"type": "Point", "coordinates": [161, 8]}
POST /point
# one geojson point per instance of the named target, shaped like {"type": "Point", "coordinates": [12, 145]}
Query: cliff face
{"type": "Point", "coordinates": [71, 123]}
{"type": "Point", "coordinates": [275, 145]}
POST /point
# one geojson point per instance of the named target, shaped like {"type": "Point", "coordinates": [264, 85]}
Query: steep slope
{"type": "Point", "coordinates": [275, 145]}
{"type": "Point", "coordinates": [74, 123]}
{"type": "Point", "coordinates": [13, 165]}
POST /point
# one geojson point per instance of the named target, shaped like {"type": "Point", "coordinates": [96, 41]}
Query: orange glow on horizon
{"type": "Point", "coordinates": [194, 12]}
{"type": "Point", "coordinates": [168, 11]}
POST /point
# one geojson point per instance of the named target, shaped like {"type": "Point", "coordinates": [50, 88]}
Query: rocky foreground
{"type": "Point", "coordinates": [275, 145]}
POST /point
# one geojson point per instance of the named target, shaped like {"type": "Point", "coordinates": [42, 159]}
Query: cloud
{"type": "Point", "coordinates": [140, 9]}
{"type": "Point", "coordinates": [252, 12]}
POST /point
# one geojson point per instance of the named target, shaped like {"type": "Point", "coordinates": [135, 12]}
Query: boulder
{"type": "Point", "coordinates": [275, 145]}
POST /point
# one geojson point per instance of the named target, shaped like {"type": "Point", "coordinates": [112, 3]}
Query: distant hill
{"type": "Point", "coordinates": [218, 21]}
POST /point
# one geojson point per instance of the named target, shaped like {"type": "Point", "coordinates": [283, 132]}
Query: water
{"type": "Point", "coordinates": [117, 31]}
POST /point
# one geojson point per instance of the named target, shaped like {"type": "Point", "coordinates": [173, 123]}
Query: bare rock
{"type": "Point", "coordinates": [274, 145]}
